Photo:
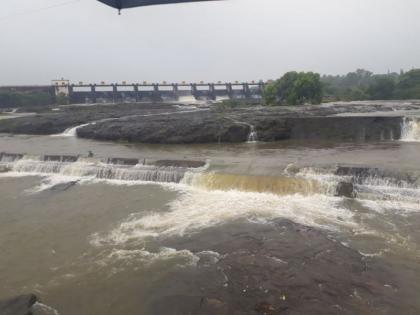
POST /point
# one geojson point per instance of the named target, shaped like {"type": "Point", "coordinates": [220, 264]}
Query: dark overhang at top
{"type": "Point", "coordinates": [126, 4]}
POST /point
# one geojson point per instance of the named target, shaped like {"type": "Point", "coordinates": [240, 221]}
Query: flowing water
{"type": "Point", "coordinates": [93, 236]}
{"type": "Point", "coordinates": [411, 130]}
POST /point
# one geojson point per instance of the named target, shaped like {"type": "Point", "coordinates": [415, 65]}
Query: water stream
{"type": "Point", "coordinates": [410, 130]}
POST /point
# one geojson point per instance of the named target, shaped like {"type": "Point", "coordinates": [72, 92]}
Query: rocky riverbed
{"type": "Point", "coordinates": [173, 124]}
{"type": "Point", "coordinates": [283, 268]}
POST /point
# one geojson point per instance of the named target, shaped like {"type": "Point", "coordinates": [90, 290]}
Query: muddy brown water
{"type": "Point", "coordinates": [120, 246]}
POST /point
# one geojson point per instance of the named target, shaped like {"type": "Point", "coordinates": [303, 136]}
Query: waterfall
{"type": "Point", "coordinates": [222, 98]}
{"type": "Point", "coordinates": [187, 99]}
{"type": "Point", "coordinates": [410, 130]}
{"type": "Point", "coordinates": [94, 169]}
{"type": "Point", "coordinates": [279, 185]}
{"type": "Point", "coordinates": [253, 135]}
{"type": "Point", "coordinates": [367, 183]}
{"type": "Point", "coordinates": [72, 132]}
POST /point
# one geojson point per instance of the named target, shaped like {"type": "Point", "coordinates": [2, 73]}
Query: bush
{"type": "Point", "coordinates": [295, 88]}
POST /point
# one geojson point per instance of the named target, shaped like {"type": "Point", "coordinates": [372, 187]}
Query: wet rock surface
{"type": "Point", "coordinates": [163, 123]}
{"type": "Point", "coordinates": [192, 127]}
{"type": "Point", "coordinates": [345, 190]}
{"type": "Point", "coordinates": [282, 268]}
{"type": "Point", "coordinates": [20, 305]}
{"type": "Point", "coordinates": [63, 186]}
{"type": "Point", "coordinates": [235, 126]}
{"type": "Point", "coordinates": [57, 122]}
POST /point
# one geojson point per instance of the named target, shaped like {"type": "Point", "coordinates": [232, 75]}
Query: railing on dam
{"type": "Point", "coordinates": [93, 93]}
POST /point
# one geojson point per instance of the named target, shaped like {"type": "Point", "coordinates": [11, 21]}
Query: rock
{"type": "Point", "coordinates": [20, 305]}
{"type": "Point", "coordinates": [63, 186]}
{"type": "Point", "coordinates": [275, 269]}
{"type": "Point", "coordinates": [345, 189]}
{"type": "Point", "coordinates": [168, 124]}
{"type": "Point", "coordinates": [180, 163]}
{"type": "Point", "coordinates": [123, 161]}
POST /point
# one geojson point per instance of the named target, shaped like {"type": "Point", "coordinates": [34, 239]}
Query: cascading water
{"type": "Point", "coordinates": [279, 185]}
{"type": "Point", "coordinates": [410, 129]}
{"type": "Point", "coordinates": [72, 132]}
{"type": "Point", "coordinates": [94, 169]}
{"type": "Point", "coordinates": [368, 184]}
{"type": "Point", "coordinates": [187, 99]}
{"type": "Point", "coordinates": [253, 135]}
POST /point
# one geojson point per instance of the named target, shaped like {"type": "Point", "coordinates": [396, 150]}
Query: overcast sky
{"type": "Point", "coordinates": [227, 40]}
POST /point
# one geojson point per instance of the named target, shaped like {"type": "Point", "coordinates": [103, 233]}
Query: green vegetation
{"type": "Point", "coordinates": [309, 88]}
{"type": "Point", "coordinates": [364, 85]}
{"type": "Point", "coordinates": [295, 88]}
{"type": "Point", "coordinates": [10, 99]}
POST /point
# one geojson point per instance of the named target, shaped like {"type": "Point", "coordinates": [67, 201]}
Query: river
{"type": "Point", "coordinates": [94, 238]}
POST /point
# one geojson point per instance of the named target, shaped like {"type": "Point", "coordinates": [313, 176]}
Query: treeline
{"type": "Point", "coordinates": [364, 85]}
{"type": "Point", "coordinates": [12, 99]}
{"type": "Point", "coordinates": [296, 88]}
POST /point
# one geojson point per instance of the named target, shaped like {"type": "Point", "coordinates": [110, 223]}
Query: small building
{"type": "Point", "coordinates": [61, 87]}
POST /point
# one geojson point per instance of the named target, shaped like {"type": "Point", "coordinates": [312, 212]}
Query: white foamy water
{"type": "Point", "coordinates": [147, 258]}
{"type": "Point", "coordinates": [42, 309]}
{"type": "Point", "coordinates": [197, 209]}
{"type": "Point", "coordinates": [86, 168]}
{"type": "Point", "coordinates": [400, 207]}
{"type": "Point", "coordinates": [253, 135]}
{"type": "Point", "coordinates": [52, 181]}
{"type": "Point", "coordinates": [410, 131]}
{"type": "Point", "coordinates": [222, 98]}
{"type": "Point", "coordinates": [187, 99]}
{"type": "Point", "coordinates": [72, 132]}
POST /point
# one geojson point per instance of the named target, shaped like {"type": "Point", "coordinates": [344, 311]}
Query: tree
{"type": "Point", "coordinates": [408, 85]}
{"type": "Point", "coordinates": [270, 94]}
{"type": "Point", "coordinates": [295, 89]}
{"type": "Point", "coordinates": [382, 88]}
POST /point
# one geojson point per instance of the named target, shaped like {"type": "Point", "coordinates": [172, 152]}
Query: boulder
{"type": "Point", "coordinates": [20, 305]}
{"type": "Point", "coordinates": [345, 189]}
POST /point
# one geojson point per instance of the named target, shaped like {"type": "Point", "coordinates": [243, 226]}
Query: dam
{"type": "Point", "coordinates": [114, 93]}
{"type": "Point", "coordinates": [81, 93]}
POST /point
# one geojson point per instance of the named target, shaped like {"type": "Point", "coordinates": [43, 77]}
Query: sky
{"type": "Point", "coordinates": [227, 40]}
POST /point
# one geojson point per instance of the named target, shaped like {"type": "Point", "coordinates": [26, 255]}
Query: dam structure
{"type": "Point", "coordinates": [155, 92]}
{"type": "Point", "coordinates": [78, 93]}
